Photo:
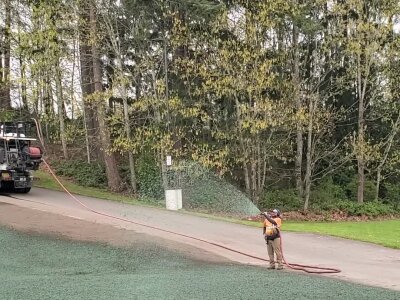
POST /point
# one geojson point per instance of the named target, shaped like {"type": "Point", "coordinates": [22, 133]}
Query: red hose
{"type": "Point", "coordinates": [305, 268]}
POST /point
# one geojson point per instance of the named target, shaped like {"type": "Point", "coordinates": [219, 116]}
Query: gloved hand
{"type": "Point", "coordinates": [265, 214]}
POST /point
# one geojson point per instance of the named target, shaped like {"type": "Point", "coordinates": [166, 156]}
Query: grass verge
{"type": "Point", "coordinates": [385, 233]}
{"type": "Point", "coordinates": [45, 180]}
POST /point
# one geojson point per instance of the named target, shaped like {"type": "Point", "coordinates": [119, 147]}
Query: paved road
{"type": "Point", "coordinates": [360, 262]}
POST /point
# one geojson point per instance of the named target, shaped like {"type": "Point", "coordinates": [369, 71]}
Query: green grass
{"type": "Point", "coordinates": [35, 267]}
{"type": "Point", "coordinates": [45, 180]}
{"type": "Point", "coordinates": [386, 233]}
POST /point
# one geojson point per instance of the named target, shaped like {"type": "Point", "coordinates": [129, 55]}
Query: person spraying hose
{"type": "Point", "coordinates": [271, 231]}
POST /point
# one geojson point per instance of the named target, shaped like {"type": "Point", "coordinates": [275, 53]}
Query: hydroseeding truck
{"type": "Point", "coordinates": [18, 158]}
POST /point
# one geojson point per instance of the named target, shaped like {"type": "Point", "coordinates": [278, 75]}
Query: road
{"type": "Point", "coordinates": [360, 262]}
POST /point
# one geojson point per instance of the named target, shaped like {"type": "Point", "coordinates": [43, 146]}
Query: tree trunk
{"type": "Point", "coordinates": [22, 67]}
{"type": "Point", "coordinates": [299, 106]}
{"type": "Point", "coordinates": [113, 177]}
{"type": "Point", "coordinates": [1, 75]}
{"type": "Point", "coordinates": [114, 39]}
{"type": "Point", "coordinates": [87, 90]}
{"type": "Point", "coordinates": [260, 173]}
{"type": "Point", "coordinates": [309, 156]}
{"type": "Point", "coordinates": [5, 100]}
{"type": "Point", "coordinates": [24, 101]}
{"type": "Point", "coordinates": [86, 137]}
{"type": "Point", "coordinates": [378, 183]}
{"type": "Point", "coordinates": [361, 138]}
{"type": "Point", "coordinates": [361, 181]}
{"type": "Point", "coordinates": [60, 106]}
{"type": "Point", "coordinates": [246, 155]}
{"type": "Point", "coordinates": [246, 178]}
{"type": "Point", "coordinates": [128, 133]}
{"type": "Point", "coordinates": [157, 114]}
{"type": "Point", "coordinates": [87, 86]}
{"type": "Point", "coordinates": [47, 102]}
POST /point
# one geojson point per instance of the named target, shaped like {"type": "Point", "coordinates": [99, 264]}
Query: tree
{"type": "Point", "coordinates": [113, 19]}
{"type": "Point", "coordinates": [113, 177]}
{"type": "Point", "coordinates": [87, 83]}
{"type": "Point", "coordinates": [367, 28]}
{"type": "Point", "coordinates": [239, 108]}
{"type": "Point", "coordinates": [5, 53]}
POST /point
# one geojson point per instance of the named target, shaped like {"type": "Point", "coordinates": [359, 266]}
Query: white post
{"type": "Point", "coordinates": [173, 199]}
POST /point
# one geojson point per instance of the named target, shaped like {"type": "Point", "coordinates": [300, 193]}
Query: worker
{"type": "Point", "coordinates": [271, 230]}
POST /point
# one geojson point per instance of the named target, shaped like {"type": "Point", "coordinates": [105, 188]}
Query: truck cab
{"type": "Point", "coordinates": [18, 157]}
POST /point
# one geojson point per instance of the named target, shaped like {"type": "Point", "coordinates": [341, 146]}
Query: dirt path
{"type": "Point", "coordinates": [360, 262]}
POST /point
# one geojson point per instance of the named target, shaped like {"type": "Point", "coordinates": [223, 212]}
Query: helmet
{"type": "Point", "coordinates": [276, 211]}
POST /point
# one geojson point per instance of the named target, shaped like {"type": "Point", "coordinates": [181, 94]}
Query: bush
{"type": "Point", "coordinates": [85, 174]}
{"type": "Point", "coordinates": [283, 199]}
{"type": "Point", "coordinates": [392, 195]}
{"type": "Point", "coordinates": [369, 190]}
{"type": "Point", "coordinates": [93, 175]}
{"type": "Point", "coordinates": [326, 195]}
{"type": "Point", "coordinates": [149, 177]}
{"type": "Point", "coordinates": [370, 209]}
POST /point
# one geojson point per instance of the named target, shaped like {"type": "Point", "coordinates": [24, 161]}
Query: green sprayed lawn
{"type": "Point", "coordinates": [36, 267]}
{"type": "Point", "coordinates": [386, 233]}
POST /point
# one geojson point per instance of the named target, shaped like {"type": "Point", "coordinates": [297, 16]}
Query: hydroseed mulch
{"type": "Point", "coordinates": [37, 267]}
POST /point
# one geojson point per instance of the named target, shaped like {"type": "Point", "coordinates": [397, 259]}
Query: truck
{"type": "Point", "coordinates": [19, 157]}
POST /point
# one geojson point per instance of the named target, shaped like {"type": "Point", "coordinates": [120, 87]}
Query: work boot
{"type": "Point", "coordinates": [271, 267]}
{"type": "Point", "coordinates": [280, 267]}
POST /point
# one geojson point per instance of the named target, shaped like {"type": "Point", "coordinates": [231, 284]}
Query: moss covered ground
{"type": "Point", "coordinates": [37, 267]}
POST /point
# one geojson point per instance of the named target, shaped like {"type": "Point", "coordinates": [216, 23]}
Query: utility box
{"type": "Point", "coordinates": [173, 199]}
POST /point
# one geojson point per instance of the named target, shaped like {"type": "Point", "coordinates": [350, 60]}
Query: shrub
{"type": "Point", "coordinates": [369, 190]}
{"type": "Point", "coordinates": [326, 195]}
{"type": "Point", "coordinates": [370, 209]}
{"type": "Point", "coordinates": [392, 195]}
{"type": "Point", "coordinates": [343, 177]}
{"type": "Point", "coordinates": [82, 172]}
{"type": "Point", "coordinates": [149, 177]}
{"type": "Point", "coordinates": [283, 199]}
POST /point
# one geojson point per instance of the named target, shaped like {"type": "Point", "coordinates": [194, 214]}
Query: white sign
{"type": "Point", "coordinates": [169, 160]}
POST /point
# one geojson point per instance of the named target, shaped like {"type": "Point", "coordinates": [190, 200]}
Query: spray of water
{"type": "Point", "coordinates": [204, 191]}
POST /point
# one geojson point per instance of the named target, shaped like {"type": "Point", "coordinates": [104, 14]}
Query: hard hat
{"type": "Point", "coordinates": [276, 211]}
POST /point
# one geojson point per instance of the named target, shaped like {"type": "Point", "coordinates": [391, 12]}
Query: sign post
{"type": "Point", "coordinates": [173, 194]}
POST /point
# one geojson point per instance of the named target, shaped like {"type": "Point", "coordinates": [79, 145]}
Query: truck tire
{"type": "Point", "coordinates": [25, 190]}
{"type": "Point", "coordinates": [22, 191]}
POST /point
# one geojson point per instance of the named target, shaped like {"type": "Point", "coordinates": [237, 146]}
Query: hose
{"type": "Point", "coordinates": [298, 267]}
